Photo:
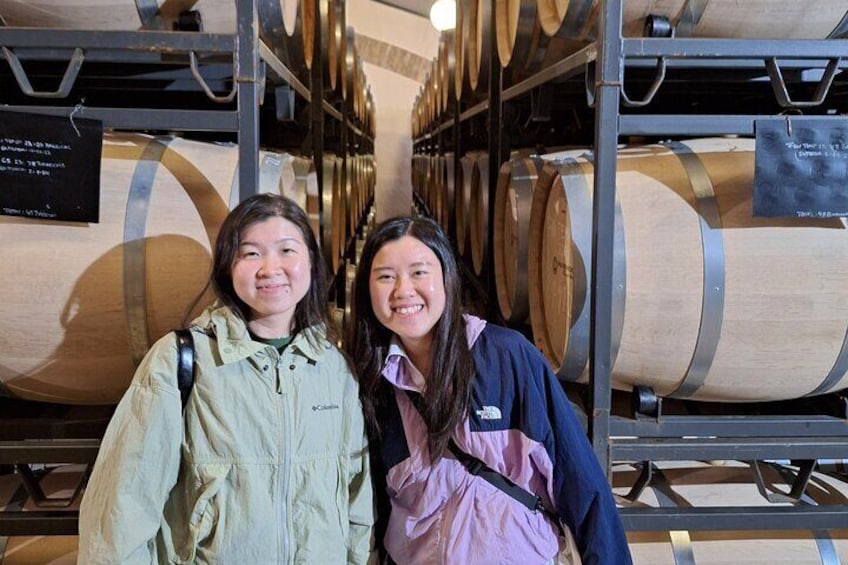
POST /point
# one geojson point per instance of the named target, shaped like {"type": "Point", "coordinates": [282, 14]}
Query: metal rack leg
{"type": "Point", "coordinates": [642, 481]}
{"type": "Point", "coordinates": [681, 542]}
{"type": "Point", "coordinates": [30, 481]}
{"type": "Point", "coordinates": [798, 482]}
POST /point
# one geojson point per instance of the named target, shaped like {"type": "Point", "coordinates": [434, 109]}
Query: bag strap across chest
{"type": "Point", "coordinates": [478, 468]}
{"type": "Point", "coordinates": [185, 363]}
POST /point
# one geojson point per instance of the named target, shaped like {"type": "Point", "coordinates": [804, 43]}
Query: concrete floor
{"type": "Point", "coordinates": [697, 483]}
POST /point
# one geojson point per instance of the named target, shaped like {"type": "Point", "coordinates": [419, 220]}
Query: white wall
{"type": "Point", "coordinates": [392, 25]}
{"type": "Point", "coordinates": [393, 98]}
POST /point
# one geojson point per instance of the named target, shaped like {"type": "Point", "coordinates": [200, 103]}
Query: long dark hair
{"type": "Point", "coordinates": [448, 389]}
{"type": "Point", "coordinates": [312, 309]}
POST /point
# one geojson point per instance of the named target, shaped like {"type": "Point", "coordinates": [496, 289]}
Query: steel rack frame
{"type": "Point", "coordinates": [754, 438]}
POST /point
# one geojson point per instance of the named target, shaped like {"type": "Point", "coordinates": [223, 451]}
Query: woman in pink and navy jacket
{"type": "Point", "coordinates": [431, 375]}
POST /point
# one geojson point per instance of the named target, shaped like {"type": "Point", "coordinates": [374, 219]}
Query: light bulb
{"type": "Point", "coordinates": [443, 14]}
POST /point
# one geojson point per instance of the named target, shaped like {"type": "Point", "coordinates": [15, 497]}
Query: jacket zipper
{"type": "Point", "coordinates": [283, 397]}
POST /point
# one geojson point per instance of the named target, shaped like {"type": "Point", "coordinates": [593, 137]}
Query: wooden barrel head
{"type": "Point", "coordinates": [478, 224]}
{"type": "Point", "coordinates": [702, 307]}
{"type": "Point", "coordinates": [513, 199]}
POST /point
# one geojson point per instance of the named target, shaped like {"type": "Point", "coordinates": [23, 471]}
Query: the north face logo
{"type": "Point", "coordinates": [489, 413]}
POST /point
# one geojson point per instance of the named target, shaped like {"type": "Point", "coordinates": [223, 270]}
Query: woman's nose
{"type": "Point", "coordinates": [404, 286]}
{"type": "Point", "coordinates": [270, 265]}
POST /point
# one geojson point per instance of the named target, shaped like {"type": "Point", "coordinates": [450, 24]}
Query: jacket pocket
{"type": "Point", "coordinates": [203, 516]}
{"type": "Point", "coordinates": [320, 511]}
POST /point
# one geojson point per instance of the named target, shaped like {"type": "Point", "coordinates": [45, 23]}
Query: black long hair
{"type": "Point", "coordinates": [312, 309]}
{"type": "Point", "coordinates": [448, 389]}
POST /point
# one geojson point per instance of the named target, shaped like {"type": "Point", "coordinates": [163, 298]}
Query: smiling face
{"type": "Point", "coordinates": [408, 290]}
{"type": "Point", "coordinates": [271, 274]}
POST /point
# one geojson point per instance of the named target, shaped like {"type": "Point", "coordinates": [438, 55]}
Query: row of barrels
{"type": "Point", "coordinates": [341, 306]}
{"type": "Point", "coordinates": [83, 302]}
{"type": "Point", "coordinates": [348, 192]}
{"type": "Point", "coordinates": [708, 302]}
{"type": "Point", "coordinates": [530, 35]}
{"type": "Point", "coordinates": [288, 28]}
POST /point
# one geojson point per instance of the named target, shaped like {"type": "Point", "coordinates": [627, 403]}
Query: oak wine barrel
{"type": "Point", "coordinates": [709, 303]}
{"type": "Point", "coordinates": [751, 19]}
{"type": "Point", "coordinates": [511, 231]}
{"type": "Point", "coordinates": [477, 46]}
{"type": "Point", "coordinates": [331, 239]}
{"type": "Point", "coordinates": [83, 302]}
{"type": "Point", "coordinates": [300, 183]}
{"type": "Point", "coordinates": [478, 223]}
{"type": "Point", "coordinates": [461, 87]}
{"type": "Point", "coordinates": [462, 203]}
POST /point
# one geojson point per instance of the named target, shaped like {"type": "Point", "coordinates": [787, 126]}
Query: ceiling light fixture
{"type": "Point", "coordinates": [443, 14]}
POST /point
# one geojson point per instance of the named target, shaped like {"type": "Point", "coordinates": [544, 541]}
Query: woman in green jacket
{"type": "Point", "coordinates": [267, 463]}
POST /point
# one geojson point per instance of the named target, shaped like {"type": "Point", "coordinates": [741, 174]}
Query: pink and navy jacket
{"type": "Point", "coordinates": [521, 425]}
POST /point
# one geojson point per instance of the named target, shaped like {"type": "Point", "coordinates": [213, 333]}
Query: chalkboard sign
{"type": "Point", "coordinates": [801, 168]}
{"type": "Point", "coordinates": [50, 167]}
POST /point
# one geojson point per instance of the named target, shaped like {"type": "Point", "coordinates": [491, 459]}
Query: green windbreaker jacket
{"type": "Point", "coordinates": [267, 464]}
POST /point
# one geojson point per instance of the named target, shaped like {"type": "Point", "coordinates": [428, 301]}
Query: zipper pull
{"type": "Point", "coordinates": [279, 376]}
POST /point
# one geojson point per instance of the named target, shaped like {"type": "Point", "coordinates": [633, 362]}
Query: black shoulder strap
{"type": "Point", "coordinates": [478, 468]}
{"type": "Point", "coordinates": [185, 363]}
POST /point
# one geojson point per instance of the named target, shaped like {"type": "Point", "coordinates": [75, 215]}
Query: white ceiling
{"type": "Point", "coordinates": [418, 7]}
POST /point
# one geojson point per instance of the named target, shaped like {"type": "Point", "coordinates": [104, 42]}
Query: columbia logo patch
{"type": "Point", "coordinates": [489, 413]}
{"type": "Point", "coordinates": [323, 407]}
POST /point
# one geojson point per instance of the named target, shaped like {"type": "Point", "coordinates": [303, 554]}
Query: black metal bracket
{"type": "Point", "coordinates": [65, 86]}
{"type": "Point", "coordinates": [799, 485]}
{"type": "Point", "coordinates": [189, 20]}
{"type": "Point", "coordinates": [30, 481]}
{"type": "Point", "coordinates": [658, 26]}
{"type": "Point", "coordinates": [541, 105]}
{"type": "Point", "coordinates": [778, 84]}
{"type": "Point", "coordinates": [284, 98]}
{"type": "Point", "coordinates": [659, 78]}
{"type": "Point", "coordinates": [195, 72]}
{"type": "Point", "coordinates": [646, 474]}
{"type": "Point", "coordinates": [645, 403]}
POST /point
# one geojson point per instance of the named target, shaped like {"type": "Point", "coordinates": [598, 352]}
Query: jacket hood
{"type": "Point", "coordinates": [234, 342]}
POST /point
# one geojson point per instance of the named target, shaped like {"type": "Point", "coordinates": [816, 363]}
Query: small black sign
{"type": "Point", "coordinates": [50, 167]}
{"type": "Point", "coordinates": [801, 168]}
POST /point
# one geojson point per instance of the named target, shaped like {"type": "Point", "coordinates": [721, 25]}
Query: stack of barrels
{"type": "Point", "coordinates": [86, 301]}
{"type": "Point", "coordinates": [702, 306]}
{"type": "Point", "coordinates": [348, 189]}
{"type": "Point", "coordinates": [529, 35]}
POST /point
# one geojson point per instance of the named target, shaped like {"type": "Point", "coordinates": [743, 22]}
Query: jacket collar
{"type": "Point", "coordinates": [234, 343]}
{"type": "Point", "coordinates": [398, 368]}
